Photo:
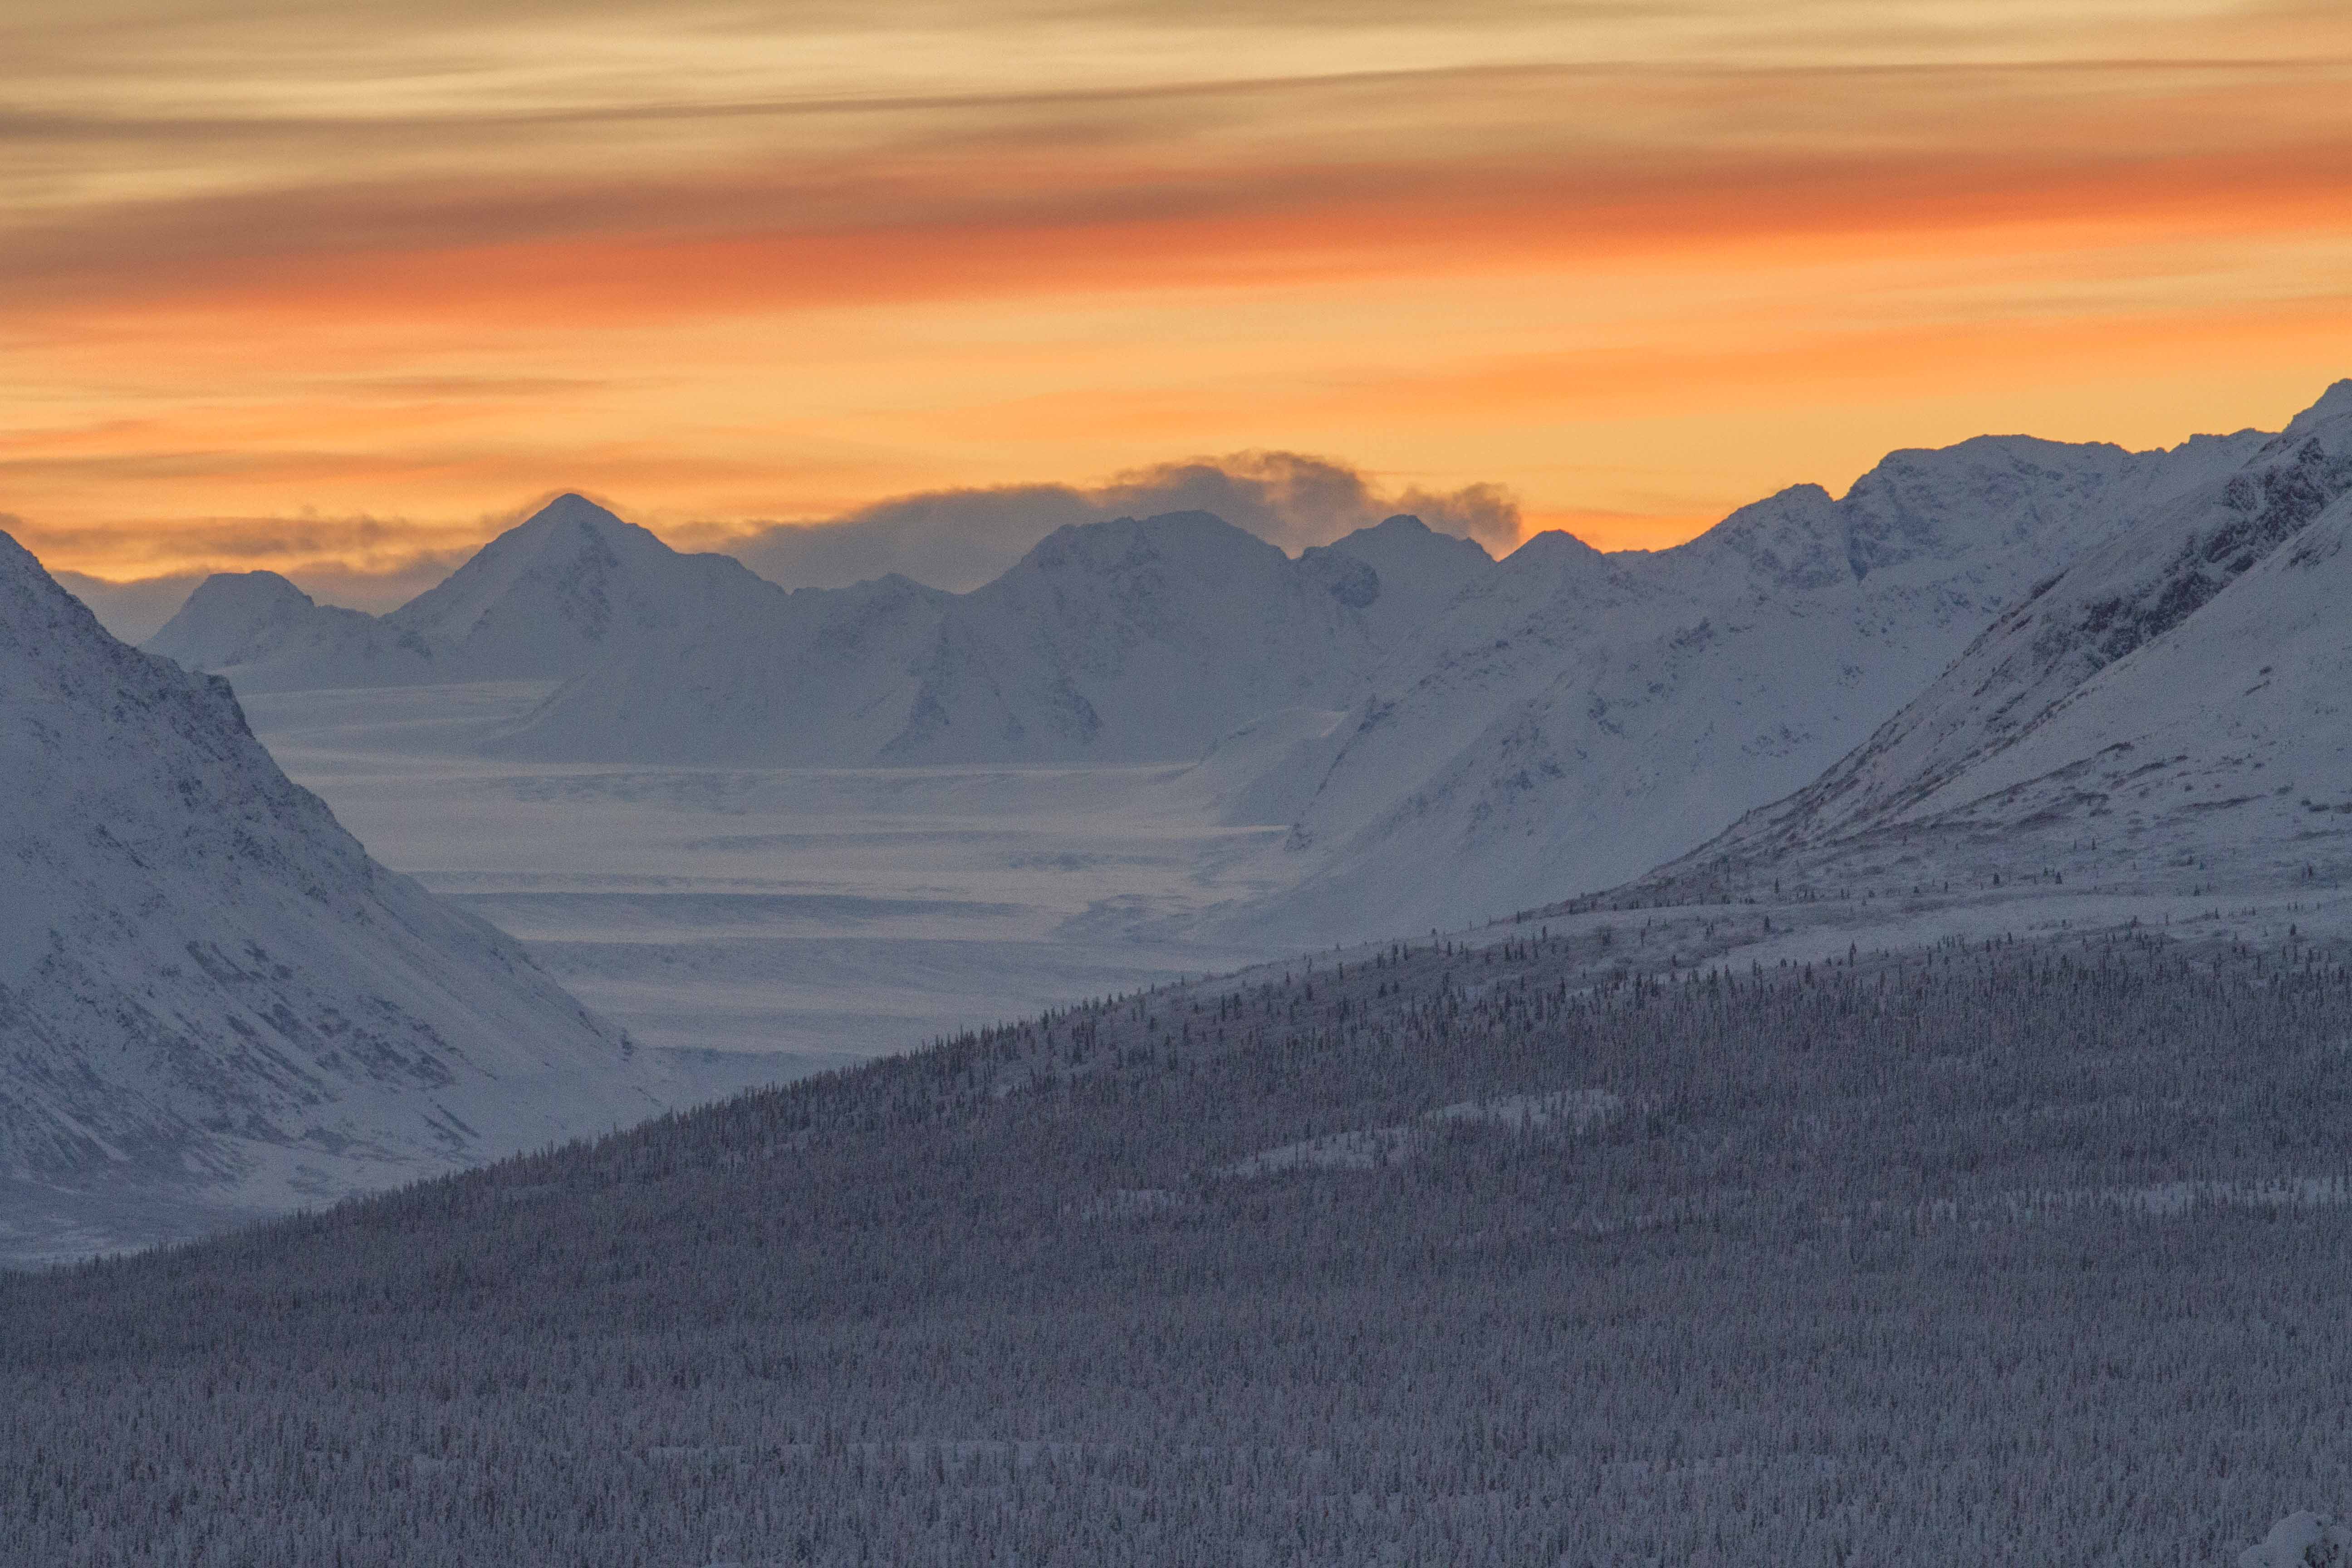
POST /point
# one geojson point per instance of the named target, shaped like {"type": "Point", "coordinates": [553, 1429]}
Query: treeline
{"type": "Point", "coordinates": [2005, 1253]}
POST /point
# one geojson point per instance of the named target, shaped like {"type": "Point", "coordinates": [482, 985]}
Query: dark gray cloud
{"type": "Point", "coordinates": [960, 539]}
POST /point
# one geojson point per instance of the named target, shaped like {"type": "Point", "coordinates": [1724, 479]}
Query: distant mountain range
{"type": "Point", "coordinates": [2004, 661]}
{"type": "Point", "coordinates": [1447, 737]}
{"type": "Point", "coordinates": [545, 600]}
{"type": "Point", "coordinates": [211, 1000]}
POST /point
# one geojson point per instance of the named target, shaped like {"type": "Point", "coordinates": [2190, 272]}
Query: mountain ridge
{"type": "Point", "coordinates": [1577, 719]}
{"type": "Point", "coordinates": [2052, 715]}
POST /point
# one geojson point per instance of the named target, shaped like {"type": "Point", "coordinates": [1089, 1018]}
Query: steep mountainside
{"type": "Point", "coordinates": [2174, 694]}
{"type": "Point", "coordinates": [210, 997]}
{"type": "Point", "coordinates": [571, 586]}
{"type": "Point", "coordinates": [1137, 639]}
{"type": "Point", "coordinates": [1574, 718]}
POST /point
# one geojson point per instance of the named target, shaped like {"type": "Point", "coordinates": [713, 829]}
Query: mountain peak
{"type": "Point", "coordinates": [571, 552]}
{"type": "Point", "coordinates": [1556, 542]}
{"type": "Point", "coordinates": [568, 514]}
{"type": "Point", "coordinates": [2335, 404]}
{"type": "Point", "coordinates": [1200, 541]}
{"type": "Point", "coordinates": [247, 593]}
{"type": "Point", "coordinates": [242, 618]}
{"type": "Point", "coordinates": [570, 507]}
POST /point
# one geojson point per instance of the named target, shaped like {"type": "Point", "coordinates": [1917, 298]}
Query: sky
{"type": "Point", "coordinates": [340, 289]}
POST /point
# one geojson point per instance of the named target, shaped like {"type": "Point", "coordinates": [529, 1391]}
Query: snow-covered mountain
{"type": "Point", "coordinates": [1135, 639]}
{"type": "Point", "coordinates": [1138, 640]}
{"type": "Point", "coordinates": [568, 587]}
{"type": "Point", "coordinates": [818, 675]}
{"type": "Point", "coordinates": [1574, 718]}
{"type": "Point", "coordinates": [2175, 697]}
{"type": "Point", "coordinates": [1506, 733]}
{"type": "Point", "coordinates": [211, 999]}
{"type": "Point", "coordinates": [270, 633]}
{"type": "Point", "coordinates": [1127, 641]}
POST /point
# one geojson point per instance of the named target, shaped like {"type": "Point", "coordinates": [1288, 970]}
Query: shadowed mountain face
{"type": "Point", "coordinates": [210, 997]}
{"type": "Point", "coordinates": [571, 586]}
{"type": "Point", "coordinates": [2174, 694]}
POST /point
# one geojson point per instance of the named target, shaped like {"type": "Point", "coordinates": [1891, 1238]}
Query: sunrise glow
{"type": "Point", "coordinates": [317, 287]}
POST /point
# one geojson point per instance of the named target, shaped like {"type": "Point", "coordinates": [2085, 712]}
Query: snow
{"type": "Point", "coordinates": [835, 821]}
{"type": "Point", "coordinates": [1131, 640]}
{"type": "Point", "coordinates": [270, 633]}
{"type": "Point", "coordinates": [1572, 1112]}
{"type": "Point", "coordinates": [210, 997]}
{"type": "Point", "coordinates": [1508, 733]}
{"type": "Point", "coordinates": [2166, 715]}
{"type": "Point", "coordinates": [774, 920]}
{"type": "Point", "coordinates": [571, 586]}
{"type": "Point", "coordinates": [555, 595]}
{"type": "Point", "coordinates": [2303, 1540]}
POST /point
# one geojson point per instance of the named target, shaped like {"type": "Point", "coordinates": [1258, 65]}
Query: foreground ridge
{"type": "Point", "coordinates": [2003, 1241]}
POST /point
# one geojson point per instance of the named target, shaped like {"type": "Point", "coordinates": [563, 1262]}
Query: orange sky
{"type": "Point", "coordinates": [320, 286]}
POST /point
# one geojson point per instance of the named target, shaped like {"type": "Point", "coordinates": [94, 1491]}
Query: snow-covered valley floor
{"type": "Point", "coordinates": [765, 922]}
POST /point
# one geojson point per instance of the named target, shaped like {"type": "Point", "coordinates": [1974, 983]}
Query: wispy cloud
{"type": "Point", "coordinates": [781, 261]}
{"type": "Point", "coordinates": [1206, 183]}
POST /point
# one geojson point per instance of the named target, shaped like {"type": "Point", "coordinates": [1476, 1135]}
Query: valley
{"type": "Point", "coordinates": [758, 923]}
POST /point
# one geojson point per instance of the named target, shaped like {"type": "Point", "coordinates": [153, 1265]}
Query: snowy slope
{"type": "Point", "coordinates": [817, 676]}
{"type": "Point", "coordinates": [209, 994]}
{"type": "Point", "coordinates": [2175, 693]}
{"type": "Point", "coordinates": [1135, 639]}
{"type": "Point", "coordinates": [568, 587]}
{"type": "Point", "coordinates": [1416, 573]}
{"type": "Point", "coordinates": [271, 634]}
{"type": "Point", "coordinates": [1575, 717]}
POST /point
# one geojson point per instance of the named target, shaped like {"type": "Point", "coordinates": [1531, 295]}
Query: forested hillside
{"type": "Point", "coordinates": [2006, 1252]}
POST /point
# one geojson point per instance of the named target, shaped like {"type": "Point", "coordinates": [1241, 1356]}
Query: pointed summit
{"type": "Point", "coordinates": [550, 595]}
{"type": "Point", "coordinates": [570, 539]}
